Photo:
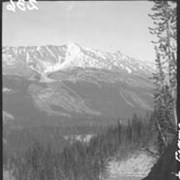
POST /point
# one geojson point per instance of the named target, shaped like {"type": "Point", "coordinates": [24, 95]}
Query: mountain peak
{"type": "Point", "coordinates": [73, 45]}
{"type": "Point", "coordinates": [73, 49]}
{"type": "Point", "coordinates": [118, 52]}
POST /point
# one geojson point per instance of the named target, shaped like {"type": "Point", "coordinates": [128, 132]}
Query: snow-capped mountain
{"type": "Point", "coordinates": [47, 59]}
{"type": "Point", "coordinates": [73, 82]}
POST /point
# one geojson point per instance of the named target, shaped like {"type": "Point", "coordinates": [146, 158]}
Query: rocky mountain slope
{"type": "Point", "coordinates": [70, 81]}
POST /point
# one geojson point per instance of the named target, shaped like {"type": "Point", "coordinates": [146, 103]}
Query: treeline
{"type": "Point", "coordinates": [81, 161]}
{"type": "Point", "coordinates": [48, 135]}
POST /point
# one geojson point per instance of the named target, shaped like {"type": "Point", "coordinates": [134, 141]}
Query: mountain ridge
{"type": "Point", "coordinates": [45, 60]}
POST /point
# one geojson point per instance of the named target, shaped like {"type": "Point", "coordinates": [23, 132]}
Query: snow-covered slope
{"type": "Point", "coordinates": [47, 59]}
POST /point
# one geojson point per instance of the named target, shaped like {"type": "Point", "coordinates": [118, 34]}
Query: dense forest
{"type": "Point", "coordinates": [81, 160]}
{"type": "Point", "coordinates": [56, 136]}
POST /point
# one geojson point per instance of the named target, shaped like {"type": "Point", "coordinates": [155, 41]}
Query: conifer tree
{"type": "Point", "coordinates": [164, 19]}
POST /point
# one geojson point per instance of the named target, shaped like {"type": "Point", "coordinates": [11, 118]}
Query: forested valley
{"type": "Point", "coordinates": [84, 152]}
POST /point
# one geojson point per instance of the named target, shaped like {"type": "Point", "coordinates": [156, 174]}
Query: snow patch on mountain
{"type": "Point", "coordinates": [72, 54]}
{"type": "Point", "coordinates": [48, 59]}
{"type": "Point", "coordinates": [6, 90]}
{"type": "Point", "coordinates": [7, 117]}
{"type": "Point", "coordinates": [128, 70]}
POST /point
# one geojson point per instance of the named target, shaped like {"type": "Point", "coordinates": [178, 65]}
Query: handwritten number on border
{"type": "Point", "coordinates": [32, 3]}
{"type": "Point", "coordinates": [22, 5]}
{"type": "Point", "coordinates": [11, 6]}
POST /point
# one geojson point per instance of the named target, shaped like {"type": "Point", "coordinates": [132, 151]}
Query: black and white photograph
{"type": "Point", "coordinates": [89, 90]}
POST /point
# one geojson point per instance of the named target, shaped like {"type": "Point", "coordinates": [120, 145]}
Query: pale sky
{"type": "Point", "coordinates": [107, 26]}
